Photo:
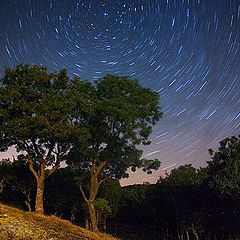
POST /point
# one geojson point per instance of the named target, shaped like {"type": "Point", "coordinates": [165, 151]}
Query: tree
{"type": "Point", "coordinates": [63, 201]}
{"type": "Point", "coordinates": [224, 169]}
{"type": "Point", "coordinates": [111, 191]}
{"type": "Point", "coordinates": [19, 182]}
{"type": "Point", "coordinates": [5, 173]}
{"type": "Point", "coordinates": [185, 175]}
{"type": "Point", "coordinates": [124, 115]}
{"type": "Point", "coordinates": [41, 114]}
{"type": "Point", "coordinates": [103, 210]}
{"type": "Point", "coordinates": [182, 188]}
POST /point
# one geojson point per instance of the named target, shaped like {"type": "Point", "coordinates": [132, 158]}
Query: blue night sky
{"type": "Point", "coordinates": [187, 50]}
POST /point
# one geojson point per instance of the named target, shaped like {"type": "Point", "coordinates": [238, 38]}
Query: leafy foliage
{"type": "Point", "coordinates": [40, 111]}
{"type": "Point", "coordinates": [102, 206]}
{"type": "Point", "coordinates": [19, 183]}
{"type": "Point", "coordinates": [225, 166]}
{"type": "Point", "coordinates": [42, 114]}
{"type": "Point", "coordinates": [124, 115]}
{"type": "Point", "coordinates": [123, 118]}
{"type": "Point", "coordinates": [186, 175]}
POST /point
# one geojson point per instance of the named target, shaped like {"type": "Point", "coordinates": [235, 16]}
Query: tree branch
{"type": "Point", "coordinates": [54, 168]}
{"type": "Point", "coordinates": [57, 153]}
{"type": "Point", "coordinates": [63, 150]}
{"type": "Point", "coordinates": [100, 167]}
{"type": "Point", "coordinates": [83, 193]}
{"type": "Point", "coordinates": [101, 181]}
{"type": "Point", "coordinates": [51, 147]}
{"type": "Point", "coordinates": [93, 167]}
{"type": "Point", "coordinates": [30, 162]}
{"type": "Point", "coordinates": [35, 147]}
{"type": "Point", "coordinates": [27, 148]}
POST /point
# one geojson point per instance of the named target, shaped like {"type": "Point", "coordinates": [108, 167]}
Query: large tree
{"type": "Point", "coordinates": [224, 169]}
{"type": "Point", "coordinates": [41, 114]}
{"type": "Point", "coordinates": [123, 119]}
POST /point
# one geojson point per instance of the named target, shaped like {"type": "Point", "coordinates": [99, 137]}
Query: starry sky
{"type": "Point", "coordinates": [187, 50]}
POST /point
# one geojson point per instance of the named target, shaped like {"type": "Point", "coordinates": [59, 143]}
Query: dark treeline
{"type": "Point", "coordinates": [187, 203]}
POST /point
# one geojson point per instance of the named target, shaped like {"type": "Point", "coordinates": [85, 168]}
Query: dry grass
{"type": "Point", "coordinates": [20, 225]}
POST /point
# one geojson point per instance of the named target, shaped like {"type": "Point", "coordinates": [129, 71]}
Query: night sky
{"type": "Point", "coordinates": [187, 50]}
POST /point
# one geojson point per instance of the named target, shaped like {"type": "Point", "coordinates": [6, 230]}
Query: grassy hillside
{"type": "Point", "coordinates": [20, 225]}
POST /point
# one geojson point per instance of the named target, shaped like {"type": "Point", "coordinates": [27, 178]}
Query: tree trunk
{"type": "Point", "coordinates": [39, 196]}
{"type": "Point", "coordinates": [93, 216]}
{"type": "Point", "coordinates": [28, 201]}
{"type": "Point", "coordinates": [105, 223]}
{"type": "Point", "coordinates": [87, 224]}
{"type": "Point", "coordinates": [93, 191]}
{"type": "Point", "coordinates": [187, 234]}
{"type": "Point", "coordinates": [195, 232]}
{"type": "Point", "coordinates": [1, 185]}
{"type": "Point", "coordinates": [40, 176]}
{"type": "Point", "coordinates": [28, 206]}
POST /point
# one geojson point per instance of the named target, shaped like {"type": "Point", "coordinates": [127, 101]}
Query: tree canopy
{"type": "Point", "coordinates": [185, 175]}
{"type": "Point", "coordinates": [97, 128]}
{"type": "Point", "coordinates": [225, 166]}
{"type": "Point", "coordinates": [42, 114]}
{"type": "Point", "coordinates": [124, 115]}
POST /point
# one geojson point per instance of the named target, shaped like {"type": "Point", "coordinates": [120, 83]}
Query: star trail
{"type": "Point", "coordinates": [186, 50]}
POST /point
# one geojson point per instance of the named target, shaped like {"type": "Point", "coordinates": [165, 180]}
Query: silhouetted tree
{"type": "Point", "coordinates": [41, 114]}
{"type": "Point", "coordinates": [103, 210]}
{"type": "Point", "coordinates": [124, 115]}
{"type": "Point", "coordinates": [18, 183]}
{"type": "Point", "coordinates": [224, 169]}
{"type": "Point", "coordinates": [111, 191]}
{"type": "Point", "coordinates": [186, 175]}
{"type": "Point", "coordinates": [63, 196]}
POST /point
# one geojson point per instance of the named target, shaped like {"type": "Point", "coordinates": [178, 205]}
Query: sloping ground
{"type": "Point", "coordinates": [20, 225]}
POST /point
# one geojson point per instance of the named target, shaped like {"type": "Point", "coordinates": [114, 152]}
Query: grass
{"type": "Point", "coordinates": [19, 225]}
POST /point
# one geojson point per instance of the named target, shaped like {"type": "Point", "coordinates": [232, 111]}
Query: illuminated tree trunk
{"type": "Point", "coordinates": [1, 185]}
{"type": "Point", "coordinates": [39, 196]}
{"type": "Point", "coordinates": [28, 200]}
{"type": "Point", "coordinates": [40, 176]}
{"type": "Point", "coordinates": [92, 214]}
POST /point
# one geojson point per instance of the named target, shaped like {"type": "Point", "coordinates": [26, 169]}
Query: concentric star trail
{"type": "Point", "coordinates": [187, 50]}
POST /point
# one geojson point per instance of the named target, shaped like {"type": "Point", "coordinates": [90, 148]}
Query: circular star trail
{"type": "Point", "coordinates": [187, 50]}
